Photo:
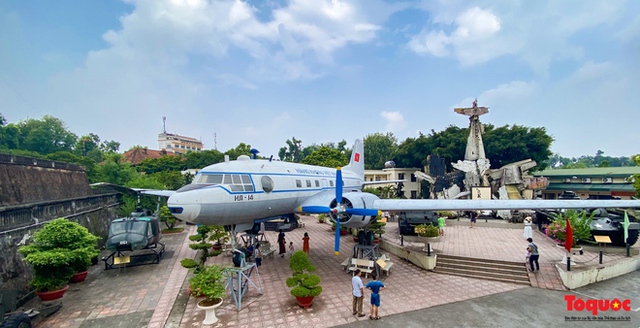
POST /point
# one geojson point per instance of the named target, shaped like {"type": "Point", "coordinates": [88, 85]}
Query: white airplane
{"type": "Point", "coordinates": [246, 191]}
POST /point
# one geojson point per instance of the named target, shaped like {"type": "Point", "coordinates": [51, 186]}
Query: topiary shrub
{"type": "Point", "coordinates": [303, 283]}
{"type": "Point", "coordinates": [57, 251]}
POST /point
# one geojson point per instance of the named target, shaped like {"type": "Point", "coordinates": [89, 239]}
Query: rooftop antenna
{"type": "Point", "coordinates": [215, 141]}
{"type": "Point", "coordinates": [164, 124]}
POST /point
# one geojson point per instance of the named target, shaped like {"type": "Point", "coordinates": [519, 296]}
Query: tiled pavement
{"type": "Point", "coordinates": [144, 296]}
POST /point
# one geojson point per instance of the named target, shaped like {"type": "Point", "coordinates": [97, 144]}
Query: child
{"type": "Point", "coordinates": [441, 224]}
{"type": "Point", "coordinates": [528, 255]}
{"type": "Point", "coordinates": [291, 247]}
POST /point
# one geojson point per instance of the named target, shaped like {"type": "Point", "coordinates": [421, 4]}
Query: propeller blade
{"type": "Point", "coordinates": [363, 211]}
{"type": "Point", "coordinates": [339, 185]}
{"type": "Point", "coordinates": [314, 209]}
{"type": "Point", "coordinates": [336, 249]}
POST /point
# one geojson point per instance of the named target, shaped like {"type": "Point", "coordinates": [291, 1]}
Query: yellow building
{"type": "Point", "coordinates": [411, 187]}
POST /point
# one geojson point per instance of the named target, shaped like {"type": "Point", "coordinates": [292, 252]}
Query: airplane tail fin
{"type": "Point", "coordinates": [356, 164]}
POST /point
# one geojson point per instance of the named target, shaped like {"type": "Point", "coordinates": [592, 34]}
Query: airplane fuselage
{"type": "Point", "coordinates": [246, 190]}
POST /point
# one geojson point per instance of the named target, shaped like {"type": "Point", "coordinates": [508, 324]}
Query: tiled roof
{"type": "Point", "coordinates": [136, 155]}
{"type": "Point", "coordinates": [590, 172]}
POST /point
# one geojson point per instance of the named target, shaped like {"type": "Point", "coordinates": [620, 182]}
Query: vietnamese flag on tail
{"type": "Point", "coordinates": [569, 240]}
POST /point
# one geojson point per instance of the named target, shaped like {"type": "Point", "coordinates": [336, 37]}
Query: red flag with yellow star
{"type": "Point", "coordinates": [569, 240]}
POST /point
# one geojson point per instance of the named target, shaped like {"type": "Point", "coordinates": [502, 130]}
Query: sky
{"type": "Point", "coordinates": [264, 71]}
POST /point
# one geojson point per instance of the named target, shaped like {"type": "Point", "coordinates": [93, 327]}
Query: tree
{"type": "Point", "coordinates": [241, 149]}
{"type": "Point", "coordinates": [116, 172]}
{"type": "Point", "coordinates": [379, 149]}
{"type": "Point", "coordinates": [46, 136]}
{"type": "Point", "coordinates": [327, 157]}
{"type": "Point", "coordinates": [292, 152]}
{"type": "Point", "coordinates": [198, 160]}
{"type": "Point", "coordinates": [505, 145]}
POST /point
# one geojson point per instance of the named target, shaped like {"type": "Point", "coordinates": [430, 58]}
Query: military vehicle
{"type": "Point", "coordinates": [606, 222]}
{"type": "Point", "coordinates": [408, 220]}
{"type": "Point", "coordinates": [137, 232]}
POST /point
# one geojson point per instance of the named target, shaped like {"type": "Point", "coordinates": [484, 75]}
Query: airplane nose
{"type": "Point", "coordinates": [184, 206]}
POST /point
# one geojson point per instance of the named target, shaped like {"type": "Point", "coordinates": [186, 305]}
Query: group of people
{"type": "Point", "coordinates": [358, 294]}
{"type": "Point", "coordinates": [282, 244]}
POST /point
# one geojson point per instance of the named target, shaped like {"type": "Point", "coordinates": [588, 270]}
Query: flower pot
{"type": "Point", "coordinates": [210, 310]}
{"type": "Point", "coordinates": [344, 232]}
{"type": "Point", "coordinates": [79, 276]}
{"type": "Point", "coordinates": [52, 295]}
{"type": "Point", "coordinates": [305, 302]}
{"type": "Point", "coordinates": [216, 247]}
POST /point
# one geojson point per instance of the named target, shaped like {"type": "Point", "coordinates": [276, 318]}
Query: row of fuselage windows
{"type": "Point", "coordinates": [242, 182]}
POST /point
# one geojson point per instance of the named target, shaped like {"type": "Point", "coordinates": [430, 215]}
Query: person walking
{"type": "Point", "coordinates": [257, 255]}
{"type": "Point", "coordinates": [441, 224]}
{"type": "Point", "coordinates": [305, 243]}
{"type": "Point", "coordinates": [358, 293]}
{"type": "Point", "coordinates": [375, 286]}
{"type": "Point", "coordinates": [533, 258]}
{"type": "Point", "coordinates": [473, 215]}
{"type": "Point", "coordinates": [528, 232]}
{"type": "Point", "coordinates": [291, 249]}
{"type": "Point", "coordinates": [282, 244]}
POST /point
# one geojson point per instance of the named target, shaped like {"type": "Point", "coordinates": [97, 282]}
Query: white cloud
{"type": "Point", "coordinates": [538, 33]}
{"type": "Point", "coordinates": [395, 121]}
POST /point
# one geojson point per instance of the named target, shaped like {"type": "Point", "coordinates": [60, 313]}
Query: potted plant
{"type": "Point", "coordinates": [343, 230]}
{"type": "Point", "coordinates": [199, 244]}
{"type": "Point", "coordinates": [219, 235]}
{"type": "Point", "coordinates": [305, 286]}
{"type": "Point", "coordinates": [321, 218]}
{"type": "Point", "coordinates": [377, 227]}
{"type": "Point", "coordinates": [430, 232]}
{"type": "Point", "coordinates": [209, 283]}
{"type": "Point", "coordinates": [580, 227]}
{"type": "Point", "coordinates": [57, 251]}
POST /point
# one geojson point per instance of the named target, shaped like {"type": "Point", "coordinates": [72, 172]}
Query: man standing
{"type": "Point", "coordinates": [358, 292]}
{"type": "Point", "coordinates": [533, 248]}
{"type": "Point", "coordinates": [375, 286]}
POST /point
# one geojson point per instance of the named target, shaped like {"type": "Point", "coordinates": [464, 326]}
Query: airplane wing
{"type": "Point", "coordinates": [155, 192]}
{"type": "Point", "coordinates": [131, 191]}
{"type": "Point", "coordinates": [367, 183]}
{"type": "Point", "coordinates": [495, 204]}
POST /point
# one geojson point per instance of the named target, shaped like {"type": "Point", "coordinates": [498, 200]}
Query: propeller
{"type": "Point", "coordinates": [339, 209]}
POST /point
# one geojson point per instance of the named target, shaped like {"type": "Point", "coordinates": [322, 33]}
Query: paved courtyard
{"type": "Point", "coordinates": [155, 295]}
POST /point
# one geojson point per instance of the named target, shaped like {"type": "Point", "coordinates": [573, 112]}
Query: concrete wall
{"type": "Point", "coordinates": [26, 180]}
{"type": "Point", "coordinates": [582, 277]}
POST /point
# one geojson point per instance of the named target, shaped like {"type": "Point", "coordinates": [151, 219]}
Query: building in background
{"type": "Point", "coordinates": [594, 182]}
{"type": "Point", "coordinates": [178, 144]}
{"type": "Point", "coordinates": [411, 187]}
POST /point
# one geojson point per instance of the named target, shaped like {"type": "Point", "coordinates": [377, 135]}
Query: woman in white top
{"type": "Point", "coordinates": [528, 233]}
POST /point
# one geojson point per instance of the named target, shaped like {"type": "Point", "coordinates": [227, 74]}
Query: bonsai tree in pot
{"type": "Point", "coordinates": [305, 285]}
{"type": "Point", "coordinates": [219, 235]}
{"type": "Point", "coordinates": [200, 244]}
{"type": "Point", "coordinates": [58, 250]}
{"type": "Point", "coordinates": [209, 283]}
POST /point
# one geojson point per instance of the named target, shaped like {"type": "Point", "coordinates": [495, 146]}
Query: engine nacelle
{"type": "Point", "coordinates": [354, 200]}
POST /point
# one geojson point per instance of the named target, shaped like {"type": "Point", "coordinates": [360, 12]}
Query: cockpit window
{"type": "Point", "coordinates": [236, 182]}
{"type": "Point", "coordinates": [209, 178]}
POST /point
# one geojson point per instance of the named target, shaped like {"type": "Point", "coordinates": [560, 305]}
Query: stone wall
{"type": "Point", "coordinates": [25, 180]}
{"type": "Point", "coordinates": [96, 215]}
{"type": "Point", "coordinates": [35, 191]}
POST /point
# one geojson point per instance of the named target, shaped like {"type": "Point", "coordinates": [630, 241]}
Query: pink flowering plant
{"type": "Point", "coordinates": [580, 226]}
